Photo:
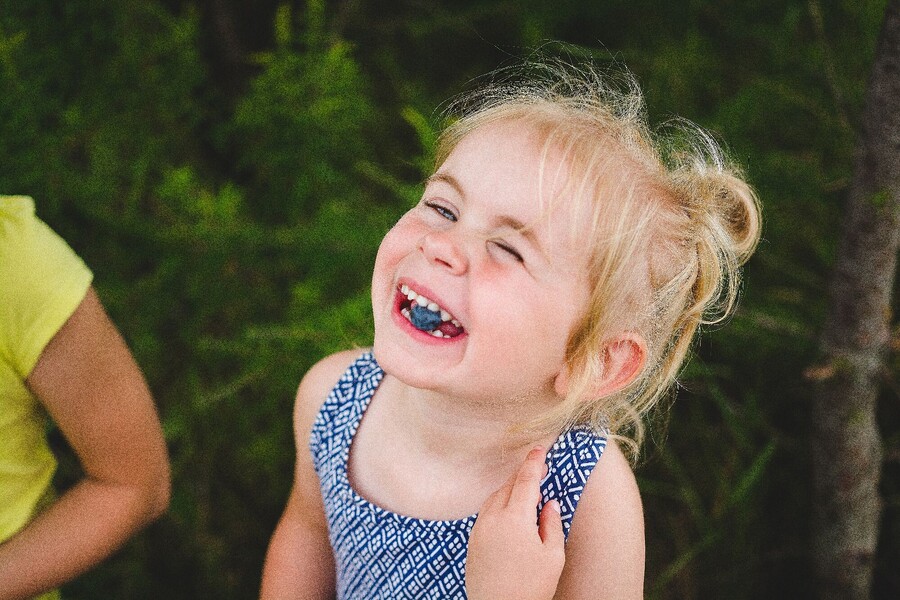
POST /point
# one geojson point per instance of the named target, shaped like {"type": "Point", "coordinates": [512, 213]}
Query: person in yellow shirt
{"type": "Point", "coordinates": [61, 357]}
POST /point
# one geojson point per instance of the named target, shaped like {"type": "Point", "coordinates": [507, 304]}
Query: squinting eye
{"type": "Point", "coordinates": [509, 250]}
{"type": "Point", "coordinates": [443, 211]}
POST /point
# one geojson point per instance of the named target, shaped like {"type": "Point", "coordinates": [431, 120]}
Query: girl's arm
{"type": "Point", "coordinates": [299, 563]}
{"type": "Point", "coordinates": [511, 558]}
{"type": "Point", "coordinates": [605, 551]}
{"type": "Point", "coordinates": [92, 388]}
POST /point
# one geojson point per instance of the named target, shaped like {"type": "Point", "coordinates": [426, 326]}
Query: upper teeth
{"type": "Point", "coordinates": [429, 304]}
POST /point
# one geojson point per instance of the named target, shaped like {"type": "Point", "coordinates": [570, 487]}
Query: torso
{"type": "Point", "coordinates": [387, 468]}
{"type": "Point", "coordinates": [392, 516]}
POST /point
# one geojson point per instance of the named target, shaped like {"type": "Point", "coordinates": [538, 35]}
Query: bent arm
{"type": "Point", "coordinates": [511, 558]}
{"type": "Point", "coordinates": [92, 388]}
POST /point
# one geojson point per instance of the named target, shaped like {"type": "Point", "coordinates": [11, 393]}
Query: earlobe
{"type": "Point", "coordinates": [622, 361]}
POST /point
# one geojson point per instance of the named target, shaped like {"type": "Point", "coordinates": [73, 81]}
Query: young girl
{"type": "Point", "coordinates": [529, 311]}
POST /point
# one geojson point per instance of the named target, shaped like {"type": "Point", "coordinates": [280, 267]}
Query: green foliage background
{"type": "Point", "coordinates": [228, 169]}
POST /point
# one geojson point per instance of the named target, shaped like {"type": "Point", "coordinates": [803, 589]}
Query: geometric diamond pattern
{"type": "Point", "coordinates": [380, 555]}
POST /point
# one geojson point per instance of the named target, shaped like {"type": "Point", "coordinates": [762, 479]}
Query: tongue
{"type": "Point", "coordinates": [449, 329]}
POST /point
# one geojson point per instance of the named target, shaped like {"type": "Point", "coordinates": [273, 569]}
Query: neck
{"type": "Point", "coordinates": [468, 431]}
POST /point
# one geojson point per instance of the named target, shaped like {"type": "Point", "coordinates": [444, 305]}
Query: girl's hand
{"type": "Point", "coordinates": [510, 557]}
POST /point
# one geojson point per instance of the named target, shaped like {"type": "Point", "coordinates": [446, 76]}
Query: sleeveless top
{"type": "Point", "coordinates": [383, 555]}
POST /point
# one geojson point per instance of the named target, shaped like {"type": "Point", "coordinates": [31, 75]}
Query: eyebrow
{"type": "Point", "coordinates": [448, 179]}
{"type": "Point", "coordinates": [500, 221]}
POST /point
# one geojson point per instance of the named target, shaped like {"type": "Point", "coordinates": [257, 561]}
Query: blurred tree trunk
{"type": "Point", "coordinates": [846, 443]}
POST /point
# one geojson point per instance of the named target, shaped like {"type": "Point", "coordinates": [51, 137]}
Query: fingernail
{"type": "Point", "coordinates": [555, 506]}
{"type": "Point", "coordinates": [537, 451]}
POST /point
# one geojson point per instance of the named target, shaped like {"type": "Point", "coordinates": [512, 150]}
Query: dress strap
{"type": "Point", "coordinates": [340, 415]}
{"type": "Point", "coordinates": [570, 462]}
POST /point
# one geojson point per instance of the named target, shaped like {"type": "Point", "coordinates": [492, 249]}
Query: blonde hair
{"type": "Point", "coordinates": [672, 222]}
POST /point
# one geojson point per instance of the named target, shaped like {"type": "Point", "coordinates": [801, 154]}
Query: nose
{"type": "Point", "coordinates": [442, 249]}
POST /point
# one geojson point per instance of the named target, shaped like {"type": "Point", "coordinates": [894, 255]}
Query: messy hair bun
{"type": "Point", "coordinates": [696, 269]}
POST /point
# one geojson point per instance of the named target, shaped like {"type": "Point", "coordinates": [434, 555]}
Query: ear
{"type": "Point", "coordinates": [623, 358]}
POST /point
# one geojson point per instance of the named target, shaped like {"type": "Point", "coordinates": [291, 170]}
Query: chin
{"type": "Point", "coordinates": [410, 371]}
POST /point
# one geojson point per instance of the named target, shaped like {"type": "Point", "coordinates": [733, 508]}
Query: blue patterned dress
{"type": "Point", "coordinates": [382, 555]}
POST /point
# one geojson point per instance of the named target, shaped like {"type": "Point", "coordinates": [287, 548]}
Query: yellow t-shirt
{"type": "Point", "coordinates": [42, 282]}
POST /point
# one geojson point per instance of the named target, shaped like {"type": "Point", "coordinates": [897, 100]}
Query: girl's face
{"type": "Point", "coordinates": [507, 276]}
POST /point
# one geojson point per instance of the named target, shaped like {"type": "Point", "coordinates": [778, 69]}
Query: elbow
{"type": "Point", "coordinates": [160, 496]}
{"type": "Point", "coordinates": [155, 483]}
{"type": "Point", "coordinates": [151, 502]}
{"type": "Point", "coordinates": [153, 493]}
{"type": "Point", "coordinates": [158, 493]}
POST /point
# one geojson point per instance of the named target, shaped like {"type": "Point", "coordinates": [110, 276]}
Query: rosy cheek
{"type": "Point", "coordinates": [395, 241]}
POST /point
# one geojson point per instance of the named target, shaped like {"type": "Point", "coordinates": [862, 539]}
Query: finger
{"type": "Point", "coordinates": [526, 489]}
{"type": "Point", "coordinates": [499, 498]}
{"type": "Point", "coordinates": [550, 525]}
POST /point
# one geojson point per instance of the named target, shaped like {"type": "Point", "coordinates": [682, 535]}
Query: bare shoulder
{"type": "Point", "coordinates": [317, 384]}
{"type": "Point", "coordinates": [605, 550]}
{"type": "Point", "coordinates": [311, 394]}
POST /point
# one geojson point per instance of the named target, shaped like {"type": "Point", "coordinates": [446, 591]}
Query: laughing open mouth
{"type": "Point", "coordinates": [426, 315]}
